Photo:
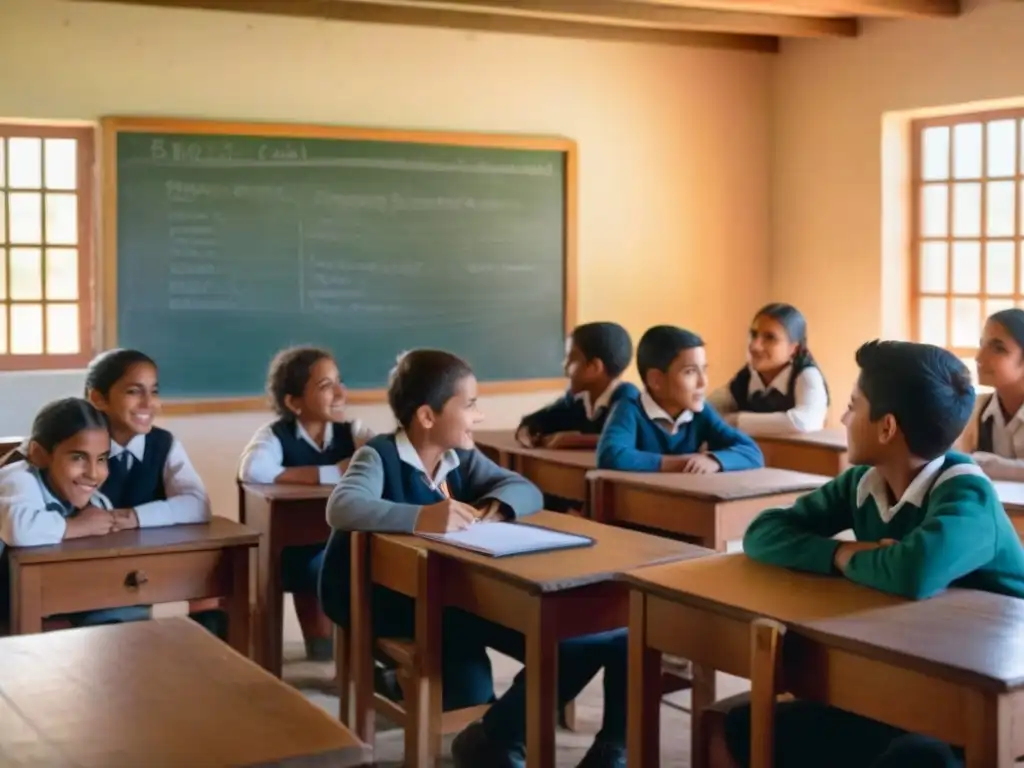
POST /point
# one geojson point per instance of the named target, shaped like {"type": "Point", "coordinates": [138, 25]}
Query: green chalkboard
{"type": "Point", "coordinates": [230, 246]}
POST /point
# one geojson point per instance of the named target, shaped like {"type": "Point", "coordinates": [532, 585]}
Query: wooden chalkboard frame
{"type": "Point", "coordinates": [112, 126]}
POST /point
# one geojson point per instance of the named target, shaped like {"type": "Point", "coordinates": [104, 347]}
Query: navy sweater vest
{"type": "Point", "coordinates": [144, 482]}
{"type": "Point", "coordinates": [403, 484]}
{"type": "Point", "coordinates": [770, 401]}
{"type": "Point", "coordinates": [985, 441]}
{"type": "Point", "coordinates": [298, 453]}
{"type": "Point", "coordinates": [569, 414]}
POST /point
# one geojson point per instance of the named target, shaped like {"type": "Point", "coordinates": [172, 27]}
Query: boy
{"type": "Point", "coordinates": [925, 518]}
{"type": "Point", "coordinates": [428, 476]}
{"type": "Point", "coordinates": [597, 355]}
{"type": "Point", "coordinates": [664, 429]}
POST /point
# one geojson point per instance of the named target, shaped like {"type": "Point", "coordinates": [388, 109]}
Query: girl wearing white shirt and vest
{"type": "Point", "coordinates": [995, 434]}
{"type": "Point", "coordinates": [781, 389]}
{"type": "Point", "coordinates": [309, 444]}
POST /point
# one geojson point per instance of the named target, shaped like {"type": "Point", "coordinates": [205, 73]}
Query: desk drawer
{"type": "Point", "coordinates": [79, 585]}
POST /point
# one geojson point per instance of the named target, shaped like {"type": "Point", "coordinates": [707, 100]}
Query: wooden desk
{"type": "Point", "coordinates": [1012, 496]}
{"type": "Point", "coordinates": [284, 516]}
{"type": "Point", "coordinates": [701, 610]}
{"type": "Point", "coordinates": [547, 596]}
{"type": "Point", "coordinates": [555, 472]}
{"type": "Point", "coordinates": [819, 453]}
{"type": "Point", "coordinates": [710, 509]}
{"type": "Point", "coordinates": [138, 567]}
{"type": "Point", "coordinates": [157, 693]}
{"type": "Point", "coordinates": [8, 443]}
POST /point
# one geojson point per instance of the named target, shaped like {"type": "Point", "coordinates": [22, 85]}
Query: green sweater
{"type": "Point", "coordinates": [950, 527]}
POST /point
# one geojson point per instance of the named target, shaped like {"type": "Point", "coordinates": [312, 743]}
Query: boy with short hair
{"type": "Point", "coordinates": [667, 426]}
{"type": "Point", "coordinates": [925, 518]}
{"type": "Point", "coordinates": [596, 357]}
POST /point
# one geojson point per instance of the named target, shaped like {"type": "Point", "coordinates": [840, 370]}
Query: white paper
{"type": "Point", "coordinates": [500, 539]}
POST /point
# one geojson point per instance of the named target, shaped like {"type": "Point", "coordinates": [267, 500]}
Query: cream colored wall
{"type": "Point", "coordinates": [829, 99]}
{"type": "Point", "coordinates": [673, 148]}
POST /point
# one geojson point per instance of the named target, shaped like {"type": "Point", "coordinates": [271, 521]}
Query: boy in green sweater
{"type": "Point", "coordinates": [925, 519]}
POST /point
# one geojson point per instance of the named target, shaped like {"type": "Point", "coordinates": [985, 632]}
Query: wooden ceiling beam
{"type": "Point", "coordinates": [472, 21]}
{"type": "Point", "coordinates": [883, 8]}
{"type": "Point", "coordinates": [660, 15]}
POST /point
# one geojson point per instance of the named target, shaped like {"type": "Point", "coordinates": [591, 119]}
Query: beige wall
{"type": "Point", "coordinates": [827, 178]}
{"type": "Point", "coordinates": [673, 147]}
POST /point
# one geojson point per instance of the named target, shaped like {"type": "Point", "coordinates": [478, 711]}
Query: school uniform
{"type": "Point", "coordinates": [950, 529]}
{"type": "Point", "coordinates": [384, 489]}
{"type": "Point", "coordinates": [639, 432]}
{"type": "Point", "coordinates": [31, 515]}
{"type": "Point", "coordinates": [995, 443]}
{"type": "Point", "coordinates": [285, 443]}
{"type": "Point", "coordinates": [796, 400]}
{"type": "Point", "coordinates": [577, 412]}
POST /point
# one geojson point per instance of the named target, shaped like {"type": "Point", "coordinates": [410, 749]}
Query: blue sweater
{"type": "Point", "coordinates": [632, 442]}
{"type": "Point", "coordinates": [569, 414]}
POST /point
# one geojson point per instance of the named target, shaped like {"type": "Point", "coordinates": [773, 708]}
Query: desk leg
{"type": "Point", "coordinates": [703, 696]}
{"type": "Point", "coordinates": [989, 731]}
{"type": "Point", "coordinates": [541, 686]}
{"type": "Point", "coordinates": [643, 734]}
{"type": "Point", "coordinates": [26, 600]}
{"type": "Point", "coordinates": [237, 601]}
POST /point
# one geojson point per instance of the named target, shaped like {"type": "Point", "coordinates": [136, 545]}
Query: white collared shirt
{"type": "Point", "coordinates": [187, 501]}
{"type": "Point", "coordinates": [807, 415]}
{"type": "Point", "coordinates": [594, 409]}
{"type": "Point", "coordinates": [1007, 436]}
{"type": "Point", "coordinates": [408, 454]}
{"type": "Point", "coordinates": [873, 485]}
{"type": "Point", "coordinates": [660, 416]}
{"type": "Point", "coordinates": [263, 458]}
{"type": "Point", "coordinates": [30, 515]}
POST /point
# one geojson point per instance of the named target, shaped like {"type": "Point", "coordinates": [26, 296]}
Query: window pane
{"type": "Point", "coordinates": [62, 274]}
{"type": "Point", "coordinates": [967, 267]}
{"type": "Point", "coordinates": [3, 175]}
{"type": "Point", "coordinates": [972, 367]}
{"type": "Point", "coordinates": [966, 322]}
{"type": "Point", "coordinates": [3, 321]}
{"type": "Point", "coordinates": [999, 257]}
{"type": "Point", "coordinates": [967, 151]}
{"type": "Point", "coordinates": [1000, 209]}
{"type": "Point", "coordinates": [27, 329]}
{"type": "Point", "coordinates": [935, 153]}
{"type": "Point", "coordinates": [934, 267]}
{"type": "Point", "coordinates": [26, 162]}
{"type": "Point", "coordinates": [933, 321]}
{"type": "Point", "coordinates": [1002, 149]}
{"type": "Point", "coordinates": [26, 274]}
{"type": "Point", "coordinates": [966, 210]}
{"type": "Point", "coordinates": [61, 158]}
{"type": "Point", "coordinates": [3, 273]}
{"type": "Point", "coordinates": [934, 212]}
{"type": "Point", "coordinates": [997, 305]}
{"type": "Point", "coordinates": [62, 219]}
{"type": "Point", "coordinates": [26, 225]}
{"type": "Point", "coordinates": [61, 329]}
{"type": "Point", "coordinates": [3, 213]}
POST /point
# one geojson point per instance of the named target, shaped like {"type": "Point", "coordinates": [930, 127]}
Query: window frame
{"type": "Point", "coordinates": [917, 237]}
{"type": "Point", "coordinates": [85, 189]}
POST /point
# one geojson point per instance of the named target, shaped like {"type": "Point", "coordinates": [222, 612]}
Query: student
{"type": "Point", "coordinates": [52, 494]}
{"type": "Point", "coordinates": [597, 355]}
{"type": "Point", "coordinates": [308, 444]}
{"type": "Point", "coordinates": [781, 389]}
{"type": "Point", "coordinates": [925, 519]}
{"type": "Point", "coordinates": [427, 476]}
{"type": "Point", "coordinates": [995, 433]}
{"type": "Point", "coordinates": [664, 429]}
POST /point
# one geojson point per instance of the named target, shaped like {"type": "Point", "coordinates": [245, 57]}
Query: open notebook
{"type": "Point", "coordinates": [503, 539]}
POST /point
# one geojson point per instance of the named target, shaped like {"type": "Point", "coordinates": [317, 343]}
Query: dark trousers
{"type": "Point", "coordinates": [467, 679]}
{"type": "Point", "coordinates": [812, 735]}
{"type": "Point", "coordinates": [300, 568]}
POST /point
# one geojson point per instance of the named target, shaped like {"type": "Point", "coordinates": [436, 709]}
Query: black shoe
{"type": "Point", "coordinates": [604, 754]}
{"type": "Point", "coordinates": [320, 649]}
{"type": "Point", "coordinates": [474, 748]}
{"type": "Point", "coordinates": [214, 621]}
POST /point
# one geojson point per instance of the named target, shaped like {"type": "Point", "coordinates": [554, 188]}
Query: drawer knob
{"type": "Point", "coordinates": [136, 579]}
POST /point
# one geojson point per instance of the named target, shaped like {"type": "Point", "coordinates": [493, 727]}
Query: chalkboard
{"type": "Point", "coordinates": [233, 241]}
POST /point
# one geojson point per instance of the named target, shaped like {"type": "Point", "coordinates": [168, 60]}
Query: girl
{"type": "Point", "coordinates": [995, 434]}
{"type": "Point", "coordinates": [309, 444]}
{"type": "Point", "coordinates": [781, 389]}
{"type": "Point", "coordinates": [428, 476]}
{"type": "Point", "coordinates": [51, 493]}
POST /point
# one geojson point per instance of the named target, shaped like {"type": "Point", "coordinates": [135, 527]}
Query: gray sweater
{"type": "Point", "coordinates": [356, 503]}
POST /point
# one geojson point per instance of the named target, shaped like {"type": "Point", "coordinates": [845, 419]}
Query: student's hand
{"type": "Point", "coordinates": [445, 516]}
{"type": "Point", "coordinates": [491, 511]}
{"type": "Point", "coordinates": [691, 463]}
{"type": "Point", "coordinates": [125, 519]}
{"type": "Point", "coordinates": [846, 551]}
{"type": "Point", "coordinates": [91, 521]}
{"type": "Point", "coordinates": [526, 438]}
{"type": "Point", "coordinates": [570, 441]}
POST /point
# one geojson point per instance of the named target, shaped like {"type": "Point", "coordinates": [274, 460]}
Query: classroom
{"type": "Point", "coordinates": [759, 151]}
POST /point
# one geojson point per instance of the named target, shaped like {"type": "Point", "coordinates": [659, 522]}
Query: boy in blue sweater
{"type": "Point", "coordinates": [597, 355]}
{"type": "Point", "coordinates": [667, 427]}
{"type": "Point", "coordinates": [925, 518]}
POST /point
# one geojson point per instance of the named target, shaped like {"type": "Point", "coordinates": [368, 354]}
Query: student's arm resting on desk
{"type": "Point", "coordinates": [808, 415]}
{"type": "Point", "coordinates": [187, 501]}
{"type": "Point", "coordinates": [731, 448]}
{"type": "Point", "coordinates": [956, 538]}
{"type": "Point", "coordinates": [552, 418]}
{"type": "Point", "coordinates": [24, 519]}
{"type": "Point", "coordinates": [800, 536]}
{"type": "Point", "coordinates": [487, 481]}
{"type": "Point", "coordinates": [263, 461]}
{"type": "Point", "coordinates": [617, 447]}
{"type": "Point", "coordinates": [999, 467]}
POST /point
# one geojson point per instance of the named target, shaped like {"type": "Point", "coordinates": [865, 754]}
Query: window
{"type": "Point", "coordinates": [968, 205]}
{"type": "Point", "coordinates": [46, 239]}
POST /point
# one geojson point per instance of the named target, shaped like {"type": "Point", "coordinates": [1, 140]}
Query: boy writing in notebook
{"type": "Point", "coordinates": [925, 518]}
